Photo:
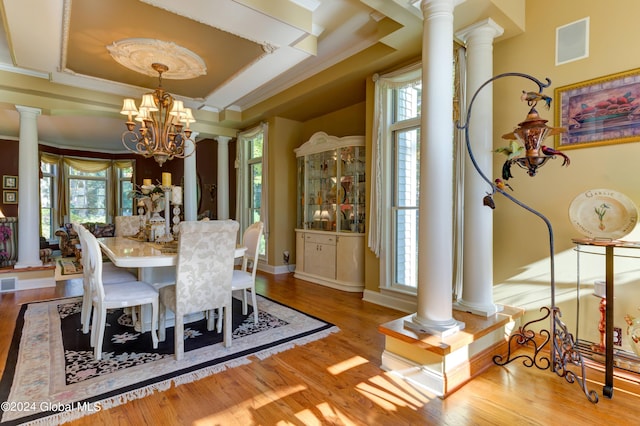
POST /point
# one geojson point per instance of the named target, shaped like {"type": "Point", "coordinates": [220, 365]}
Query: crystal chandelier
{"type": "Point", "coordinates": [162, 119]}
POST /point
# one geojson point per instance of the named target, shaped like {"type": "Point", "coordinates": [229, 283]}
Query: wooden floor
{"type": "Point", "coordinates": [337, 380]}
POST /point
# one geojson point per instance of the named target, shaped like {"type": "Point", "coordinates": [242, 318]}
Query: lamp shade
{"type": "Point", "coordinates": [148, 102]}
{"type": "Point", "coordinates": [188, 117]}
{"type": "Point", "coordinates": [129, 107]}
{"type": "Point", "coordinates": [178, 109]}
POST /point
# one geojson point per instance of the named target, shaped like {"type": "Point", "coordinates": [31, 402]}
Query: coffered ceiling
{"type": "Point", "coordinates": [292, 58]}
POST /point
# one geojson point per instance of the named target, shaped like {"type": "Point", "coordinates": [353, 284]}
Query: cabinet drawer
{"type": "Point", "coordinates": [320, 239]}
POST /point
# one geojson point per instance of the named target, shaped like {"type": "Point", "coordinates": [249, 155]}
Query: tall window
{"type": "Point", "coordinates": [87, 195]}
{"type": "Point", "coordinates": [405, 132]}
{"type": "Point", "coordinates": [125, 186]}
{"type": "Point", "coordinates": [47, 197]}
{"type": "Point", "coordinates": [254, 164]}
{"type": "Point", "coordinates": [251, 152]}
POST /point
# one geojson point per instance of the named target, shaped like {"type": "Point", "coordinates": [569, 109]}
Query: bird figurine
{"type": "Point", "coordinates": [487, 200]}
{"type": "Point", "coordinates": [552, 152]}
{"type": "Point", "coordinates": [514, 149]}
{"type": "Point", "coordinates": [506, 169]}
{"type": "Point", "coordinates": [532, 98]}
{"type": "Point", "coordinates": [501, 185]}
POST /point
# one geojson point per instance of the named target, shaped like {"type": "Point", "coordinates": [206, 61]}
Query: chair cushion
{"type": "Point", "coordinates": [241, 279]}
{"type": "Point", "coordinates": [128, 291]}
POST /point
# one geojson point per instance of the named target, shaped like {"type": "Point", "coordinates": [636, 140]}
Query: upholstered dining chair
{"type": "Point", "coordinates": [203, 277]}
{"type": "Point", "coordinates": [127, 226]}
{"type": "Point", "coordinates": [111, 274]}
{"type": "Point", "coordinates": [244, 279]}
{"type": "Point", "coordinates": [120, 295]}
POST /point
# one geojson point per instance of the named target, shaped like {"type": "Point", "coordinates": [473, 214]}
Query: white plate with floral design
{"type": "Point", "coordinates": [603, 214]}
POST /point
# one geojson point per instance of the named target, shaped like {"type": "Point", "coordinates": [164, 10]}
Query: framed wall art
{"type": "Point", "coordinates": [598, 112]}
{"type": "Point", "coordinates": [9, 182]}
{"type": "Point", "coordinates": [10, 197]}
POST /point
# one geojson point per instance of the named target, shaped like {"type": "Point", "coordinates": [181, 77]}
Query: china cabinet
{"type": "Point", "coordinates": [331, 211]}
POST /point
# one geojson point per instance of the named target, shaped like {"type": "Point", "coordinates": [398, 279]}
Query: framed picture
{"type": "Point", "coordinates": [10, 182]}
{"type": "Point", "coordinates": [598, 112]}
{"type": "Point", "coordinates": [10, 197]}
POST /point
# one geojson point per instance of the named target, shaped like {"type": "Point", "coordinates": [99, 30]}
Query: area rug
{"type": "Point", "coordinates": [52, 377]}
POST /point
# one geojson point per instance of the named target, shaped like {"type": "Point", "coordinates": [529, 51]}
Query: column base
{"type": "Point", "coordinates": [476, 309]}
{"type": "Point", "coordinates": [440, 329]}
{"type": "Point", "coordinates": [442, 364]}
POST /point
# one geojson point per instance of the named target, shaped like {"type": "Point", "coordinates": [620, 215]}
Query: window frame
{"type": "Point", "coordinates": [69, 177]}
{"type": "Point", "coordinates": [52, 176]}
{"type": "Point", "coordinates": [245, 203]}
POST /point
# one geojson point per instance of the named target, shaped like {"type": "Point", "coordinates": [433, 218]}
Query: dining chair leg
{"type": "Point", "coordinates": [244, 302]}
{"type": "Point", "coordinates": [85, 315]}
{"type": "Point", "coordinates": [220, 315]}
{"type": "Point", "coordinates": [227, 325]}
{"type": "Point", "coordinates": [210, 315]}
{"type": "Point", "coordinates": [178, 337]}
{"type": "Point", "coordinates": [94, 327]}
{"type": "Point", "coordinates": [254, 302]}
{"type": "Point", "coordinates": [162, 326]}
{"type": "Point", "coordinates": [98, 327]}
{"type": "Point", "coordinates": [154, 323]}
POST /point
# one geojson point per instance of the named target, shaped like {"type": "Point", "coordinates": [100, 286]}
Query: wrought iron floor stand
{"type": "Point", "coordinates": [562, 351]}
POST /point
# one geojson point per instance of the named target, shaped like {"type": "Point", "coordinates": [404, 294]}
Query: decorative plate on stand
{"type": "Point", "coordinates": [603, 214]}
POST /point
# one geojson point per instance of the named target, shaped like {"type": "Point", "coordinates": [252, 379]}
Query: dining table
{"type": "Point", "coordinates": [155, 263]}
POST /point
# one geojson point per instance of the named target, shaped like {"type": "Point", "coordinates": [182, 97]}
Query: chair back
{"type": "Point", "coordinates": [93, 265]}
{"type": "Point", "coordinates": [127, 226]}
{"type": "Point", "coordinates": [205, 265]}
{"type": "Point", "coordinates": [81, 231]}
{"type": "Point", "coordinates": [251, 240]}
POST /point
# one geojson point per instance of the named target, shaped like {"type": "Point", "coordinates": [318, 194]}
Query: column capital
{"type": "Point", "coordinates": [488, 27]}
{"type": "Point", "coordinates": [30, 110]}
{"type": "Point", "coordinates": [223, 139]}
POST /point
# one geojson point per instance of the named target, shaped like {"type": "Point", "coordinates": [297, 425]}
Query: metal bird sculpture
{"type": "Point", "coordinates": [502, 185]}
{"type": "Point", "coordinates": [532, 98]}
{"type": "Point", "coordinates": [512, 151]}
{"type": "Point", "coordinates": [553, 152]}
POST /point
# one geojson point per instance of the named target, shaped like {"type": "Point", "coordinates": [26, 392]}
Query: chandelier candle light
{"type": "Point", "coordinates": [164, 124]}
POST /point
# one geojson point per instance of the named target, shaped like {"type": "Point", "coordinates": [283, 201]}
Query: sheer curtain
{"type": "Point", "coordinates": [381, 134]}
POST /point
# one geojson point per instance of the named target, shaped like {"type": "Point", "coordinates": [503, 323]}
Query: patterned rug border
{"type": "Point", "coordinates": [144, 388]}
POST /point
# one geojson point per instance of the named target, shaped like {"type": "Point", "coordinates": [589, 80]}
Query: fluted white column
{"type": "Point", "coordinates": [29, 183]}
{"type": "Point", "coordinates": [435, 254]}
{"type": "Point", "coordinates": [477, 275]}
{"type": "Point", "coordinates": [190, 181]}
{"type": "Point", "coordinates": [223, 177]}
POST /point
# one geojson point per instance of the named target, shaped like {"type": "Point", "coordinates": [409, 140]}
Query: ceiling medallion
{"type": "Point", "coordinates": [138, 54]}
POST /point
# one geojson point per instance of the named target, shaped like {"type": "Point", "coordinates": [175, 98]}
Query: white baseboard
{"type": "Point", "coordinates": [390, 301]}
{"type": "Point", "coordinates": [29, 284]}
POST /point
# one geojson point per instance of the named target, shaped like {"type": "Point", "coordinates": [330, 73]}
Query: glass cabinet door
{"type": "Point", "coordinates": [300, 220]}
{"type": "Point", "coordinates": [352, 189]}
{"type": "Point", "coordinates": [321, 190]}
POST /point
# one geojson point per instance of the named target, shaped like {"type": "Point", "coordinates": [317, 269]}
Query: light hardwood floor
{"type": "Point", "coordinates": [337, 380]}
